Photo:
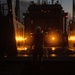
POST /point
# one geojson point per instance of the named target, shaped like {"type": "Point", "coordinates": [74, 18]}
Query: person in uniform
{"type": "Point", "coordinates": [38, 43]}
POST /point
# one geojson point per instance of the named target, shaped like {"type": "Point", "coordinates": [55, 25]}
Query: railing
{"type": "Point", "coordinates": [19, 34]}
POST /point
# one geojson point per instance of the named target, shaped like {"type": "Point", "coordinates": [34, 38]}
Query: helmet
{"type": "Point", "coordinates": [38, 29]}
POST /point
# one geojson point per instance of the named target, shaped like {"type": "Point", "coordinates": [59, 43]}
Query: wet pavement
{"type": "Point", "coordinates": [27, 66]}
{"type": "Point", "coordinates": [54, 62]}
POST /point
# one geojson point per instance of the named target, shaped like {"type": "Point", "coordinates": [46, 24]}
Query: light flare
{"type": "Point", "coordinates": [53, 48]}
{"type": "Point", "coordinates": [20, 39]}
{"type": "Point", "coordinates": [25, 48]}
{"type": "Point", "coordinates": [53, 38]}
{"type": "Point", "coordinates": [72, 38]}
{"type": "Point", "coordinates": [53, 55]}
{"type": "Point", "coordinates": [25, 38]}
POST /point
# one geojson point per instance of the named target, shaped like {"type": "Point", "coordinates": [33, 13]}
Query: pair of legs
{"type": "Point", "coordinates": [38, 54]}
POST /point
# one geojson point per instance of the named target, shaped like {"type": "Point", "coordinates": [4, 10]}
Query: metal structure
{"type": "Point", "coordinates": [11, 30]}
{"type": "Point", "coordinates": [50, 17]}
{"type": "Point", "coordinates": [44, 1]}
{"type": "Point", "coordinates": [18, 27]}
{"type": "Point", "coordinates": [17, 10]}
{"type": "Point", "coordinates": [7, 39]}
{"type": "Point", "coordinates": [73, 10]}
{"type": "Point", "coordinates": [71, 30]}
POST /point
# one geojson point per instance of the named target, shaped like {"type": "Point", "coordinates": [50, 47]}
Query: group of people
{"type": "Point", "coordinates": [38, 43]}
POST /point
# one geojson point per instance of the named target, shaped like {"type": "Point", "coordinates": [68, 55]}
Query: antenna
{"type": "Point", "coordinates": [73, 10]}
{"type": "Point", "coordinates": [52, 1]}
{"type": "Point", "coordinates": [17, 10]}
{"type": "Point", "coordinates": [38, 1]}
{"type": "Point", "coordinates": [44, 1]}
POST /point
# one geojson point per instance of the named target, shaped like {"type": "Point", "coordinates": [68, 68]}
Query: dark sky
{"type": "Point", "coordinates": [66, 4]}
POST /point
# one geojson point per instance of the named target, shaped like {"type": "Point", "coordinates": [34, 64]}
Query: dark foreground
{"type": "Point", "coordinates": [26, 66]}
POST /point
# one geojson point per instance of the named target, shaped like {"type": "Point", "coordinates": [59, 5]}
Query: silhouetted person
{"type": "Point", "coordinates": [38, 38]}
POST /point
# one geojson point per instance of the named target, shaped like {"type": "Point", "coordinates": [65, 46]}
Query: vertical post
{"type": "Point", "coordinates": [2, 45]}
{"type": "Point", "coordinates": [73, 10]}
{"type": "Point", "coordinates": [52, 2]}
{"type": "Point", "coordinates": [17, 10]}
{"type": "Point", "coordinates": [65, 31]}
{"type": "Point", "coordinates": [45, 1]}
{"type": "Point", "coordinates": [38, 1]}
{"type": "Point", "coordinates": [11, 47]}
{"type": "Point", "coordinates": [65, 26]}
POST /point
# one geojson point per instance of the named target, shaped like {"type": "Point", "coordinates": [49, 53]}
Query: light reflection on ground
{"type": "Point", "coordinates": [54, 52]}
{"type": "Point", "coordinates": [53, 55]}
{"type": "Point", "coordinates": [73, 55]}
{"type": "Point", "coordinates": [73, 49]}
{"type": "Point", "coordinates": [24, 55]}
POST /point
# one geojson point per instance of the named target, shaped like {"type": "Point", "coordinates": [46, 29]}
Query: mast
{"type": "Point", "coordinates": [73, 10]}
{"type": "Point", "coordinates": [11, 46]}
{"type": "Point", "coordinates": [38, 1]}
{"type": "Point", "coordinates": [45, 1]}
{"type": "Point", "coordinates": [17, 10]}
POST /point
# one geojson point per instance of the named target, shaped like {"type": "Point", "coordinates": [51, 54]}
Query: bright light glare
{"type": "Point", "coordinates": [53, 48]}
{"type": "Point", "coordinates": [19, 39]}
{"type": "Point", "coordinates": [53, 38]}
{"type": "Point", "coordinates": [25, 48]}
{"type": "Point", "coordinates": [25, 55]}
{"type": "Point", "coordinates": [72, 38]}
{"type": "Point", "coordinates": [20, 48]}
{"type": "Point", "coordinates": [53, 55]}
{"type": "Point", "coordinates": [25, 38]}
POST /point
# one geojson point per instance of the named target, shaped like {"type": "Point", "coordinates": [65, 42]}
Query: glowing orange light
{"type": "Point", "coordinates": [25, 55]}
{"type": "Point", "coordinates": [19, 39]}
{"type": "Point", "coordinates": [53, 38]}
{"type": "Point", "coordinates": [25, 48]}
{"type": "Point", "coordinates": [20, 48]}
{"type": "Point", "coordinates": [72, 38]}
{"type": "Point", "coordinates": [53, 55]}
{"type": "Point", "coordinates": [25, 38]}
{"type": "Point", "coordinates": [53, 48]}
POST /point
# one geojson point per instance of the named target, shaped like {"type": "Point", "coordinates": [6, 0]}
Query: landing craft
{"type": "Point", "coordinates": [51, 18]}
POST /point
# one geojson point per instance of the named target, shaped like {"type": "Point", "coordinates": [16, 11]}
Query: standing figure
{"type": "Point", "coordinates": [38, 44]}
